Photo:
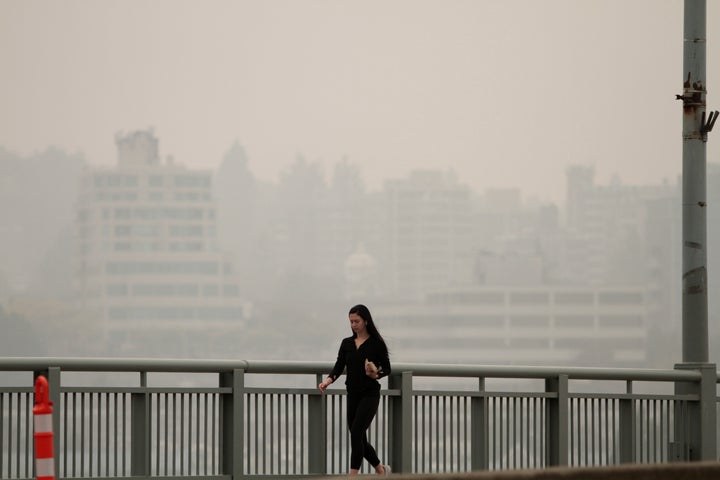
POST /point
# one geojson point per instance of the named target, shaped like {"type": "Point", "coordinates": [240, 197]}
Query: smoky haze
{"type": "Point", "coordinates": [497, 181]}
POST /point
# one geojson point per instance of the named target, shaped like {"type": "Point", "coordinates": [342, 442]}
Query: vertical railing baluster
{"type": "Point", "coordinates": [574, 440]}
{"type": "Point", "coordinates": [28, 429]}
{"type": "Point", "coordinates": [127, 440]}
{"type": "Point", "coordinates": [180, 466]}
{"type": "Point", "coordinates": [64, 435]}
{"type": "Point", "coordinates": [509, 426]}
{"type": "Point", "coordinates": [512, 441]}
{"type": "Point", "coordinates": [508, 431]}
{"type": "Point", "coordinates": [526, 441]}
{"type": "Point", "coordinates": [420, 455]}
{"type": "Point", "coordinates": [539, 434]}
{"type": "Point", "coordinates": [280, 428]}
{"type": "Point", "coordinates": [287, 434]}
{"type": "Point", "coordinates": [256, 437]}
{"type": "Point", "coordinates": [83, 413]}
{"type": "Point", "coordinates": [90, 446]}
{"type": "Point", "coordinates": [215, 422]}
{"type": "Point", "coordinates": [334, 433]}
{"type": "Point", "coordinates": [665, 425]}
{"type": "Point", "coordinates": [293, 425]}
{"type": "Point", "coordinates": [450, 436]}
{"type": "Point", "coordinates": [158, 398]}
{"type": "Point", "coordinates": [419, 433]}
{"type": "Point", "coordinates": [279, 433]}
{"type": "Point", "coordinates": [271, 444]}
{"type": "Point", "coordinates": [303, 450]}
{"type": "Point", "coordinates": [469, 445]}
{"type": "Point", "coordinates": [18, 435]}
{"type": "Point", "coordinates": [207, 451]}
{"type": "Point", "coordinates": [493, 437]}
{"type": "Point", "coordinates": [438, 455]}
{"type": "Point", "coordinates": [193, 434]}
{"type": "Point", "coordinates": [2, 433]}
{"type": "Point", "coordinates": [115, 435]}
{"type": "Point", "coordinates": [100, 435]}
{"type": "Point", "coordinates": [107, 434]}
{"type": "Point", "coordinates": [166, 415]}
{"type": "Point", "coordinates": [3, 446]}
{"type": "Point", "coordinates": [441, 419]}
{"type": "Point", "coordinates": [10, 438]}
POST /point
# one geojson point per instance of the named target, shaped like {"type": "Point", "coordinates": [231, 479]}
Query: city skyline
{"type": "Point", "coordinates": [293, 239]}
{"type": "Point", "coordinates": [505, 96]}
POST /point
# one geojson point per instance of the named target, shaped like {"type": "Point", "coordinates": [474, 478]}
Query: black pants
{"type": "Point", "coordinates": [361, 409]}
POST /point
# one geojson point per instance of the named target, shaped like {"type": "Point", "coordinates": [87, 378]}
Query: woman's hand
{"type": "Point", "coordinates": [371, 370]}
{"type": "Point", "coordinates": [323, 385]}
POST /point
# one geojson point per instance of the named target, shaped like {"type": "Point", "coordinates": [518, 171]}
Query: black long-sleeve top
{"type": "Point", "coordinates": [353, 358]}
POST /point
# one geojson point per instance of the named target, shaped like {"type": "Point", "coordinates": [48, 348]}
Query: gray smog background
{"type": "Point", "coordinates": [497, 180]}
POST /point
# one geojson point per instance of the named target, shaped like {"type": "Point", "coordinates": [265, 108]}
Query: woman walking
{"type": "Point", "coordinates": [365, 356]}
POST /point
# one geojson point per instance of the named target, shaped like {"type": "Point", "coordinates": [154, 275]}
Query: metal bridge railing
{"type": "Point", "coordinates": [117, 418]}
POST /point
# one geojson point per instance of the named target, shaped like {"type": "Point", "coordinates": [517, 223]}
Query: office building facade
{"type": "Point", "coordinates": [149, 263]}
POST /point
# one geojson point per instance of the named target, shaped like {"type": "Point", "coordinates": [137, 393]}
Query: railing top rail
{"type": "Point", "coordinates": [296, 367]}
{"type": "Point", "coordinates": [540, 372]}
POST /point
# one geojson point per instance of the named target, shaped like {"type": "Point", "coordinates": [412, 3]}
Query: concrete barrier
{"type": "Point", "coordinates": [667, 471]}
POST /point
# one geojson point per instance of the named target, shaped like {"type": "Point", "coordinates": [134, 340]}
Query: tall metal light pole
{"type": "Point", "coordinates": [694, 231]}
{"type": "Point", "coordinates": [699, 441]}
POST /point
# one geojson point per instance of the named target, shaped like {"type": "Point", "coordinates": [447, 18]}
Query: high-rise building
{"type": "Point", "coordinates": [149, 263]}
{"type": "Point", "coordinates": [606, 228]}
{"type": "Point", "coordinates": [430, 242]}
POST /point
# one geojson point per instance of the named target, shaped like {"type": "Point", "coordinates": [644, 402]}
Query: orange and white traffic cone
{"type": "Point", "coordinates": [42, 412]}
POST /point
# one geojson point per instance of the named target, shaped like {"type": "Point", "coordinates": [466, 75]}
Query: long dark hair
{"type": "Point", "coordinates": [363, 312]}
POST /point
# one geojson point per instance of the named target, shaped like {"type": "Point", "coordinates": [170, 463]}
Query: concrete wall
{"type": "Point", "coordinates": [673, 471]}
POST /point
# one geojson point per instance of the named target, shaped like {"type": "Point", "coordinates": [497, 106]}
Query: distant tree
{"type": "Point", "coordinates": [37, 203]}
{"type": "Point", "coordinates": [60, 328]}
{"type": "Point", "coordinates": [19, 338]}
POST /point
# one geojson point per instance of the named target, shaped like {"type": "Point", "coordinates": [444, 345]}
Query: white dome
{"type": "Point", "coordinates": [360, 260]}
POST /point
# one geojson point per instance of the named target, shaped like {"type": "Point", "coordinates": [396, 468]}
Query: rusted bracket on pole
{"type": "Point", "coordinates": [707, 126]}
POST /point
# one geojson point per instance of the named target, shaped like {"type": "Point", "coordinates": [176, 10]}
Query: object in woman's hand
{"type": "Point", "coordinates": [370, 366]}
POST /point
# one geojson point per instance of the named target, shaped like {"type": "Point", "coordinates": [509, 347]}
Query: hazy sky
{"type": "Point", "coordinates": [505, 92]}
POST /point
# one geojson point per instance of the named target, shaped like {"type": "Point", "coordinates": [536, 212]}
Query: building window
{"type": "Point", "coordinates": [620, 298]}
{"type": "Point", "coordinates": [532, 321]}
{"type": "Point", "coordinates": [116, 290]}
{"type": "Point", "coordinates": [231, 291]}
{"type": "Point", "coordinates": [574, 321]}
{"type": "Point", "coordinates": [155, 181]}
{"type": "Point", "coordinates": [574, 298]}
{"type": "Point", "coordinates": [628, 321]}
{"type": "Point", "coordinates": [529, 298]}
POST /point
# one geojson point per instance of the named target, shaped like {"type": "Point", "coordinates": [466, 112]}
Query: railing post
{"type": "Point", "coordinates": [557, 421]}
{"type": "Point", "coordinates": [708, 412]}
{"type": "Point", "coordinates": [627, 427]}
{"type": "Point", "coordinates": [232, 425]}
{"type": "Point", "coordinates": [140, 430]}
{"type": "Point", "coordinates": [479, 430]}
{"type": "Point", "coordinates": [401, 430]}
{"type": "Point", "coordinates": [52, 374]}
{"type": "Point", "coordinates": [695, 439]}
{"type": "Point", "coordinates": [317, 432]}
